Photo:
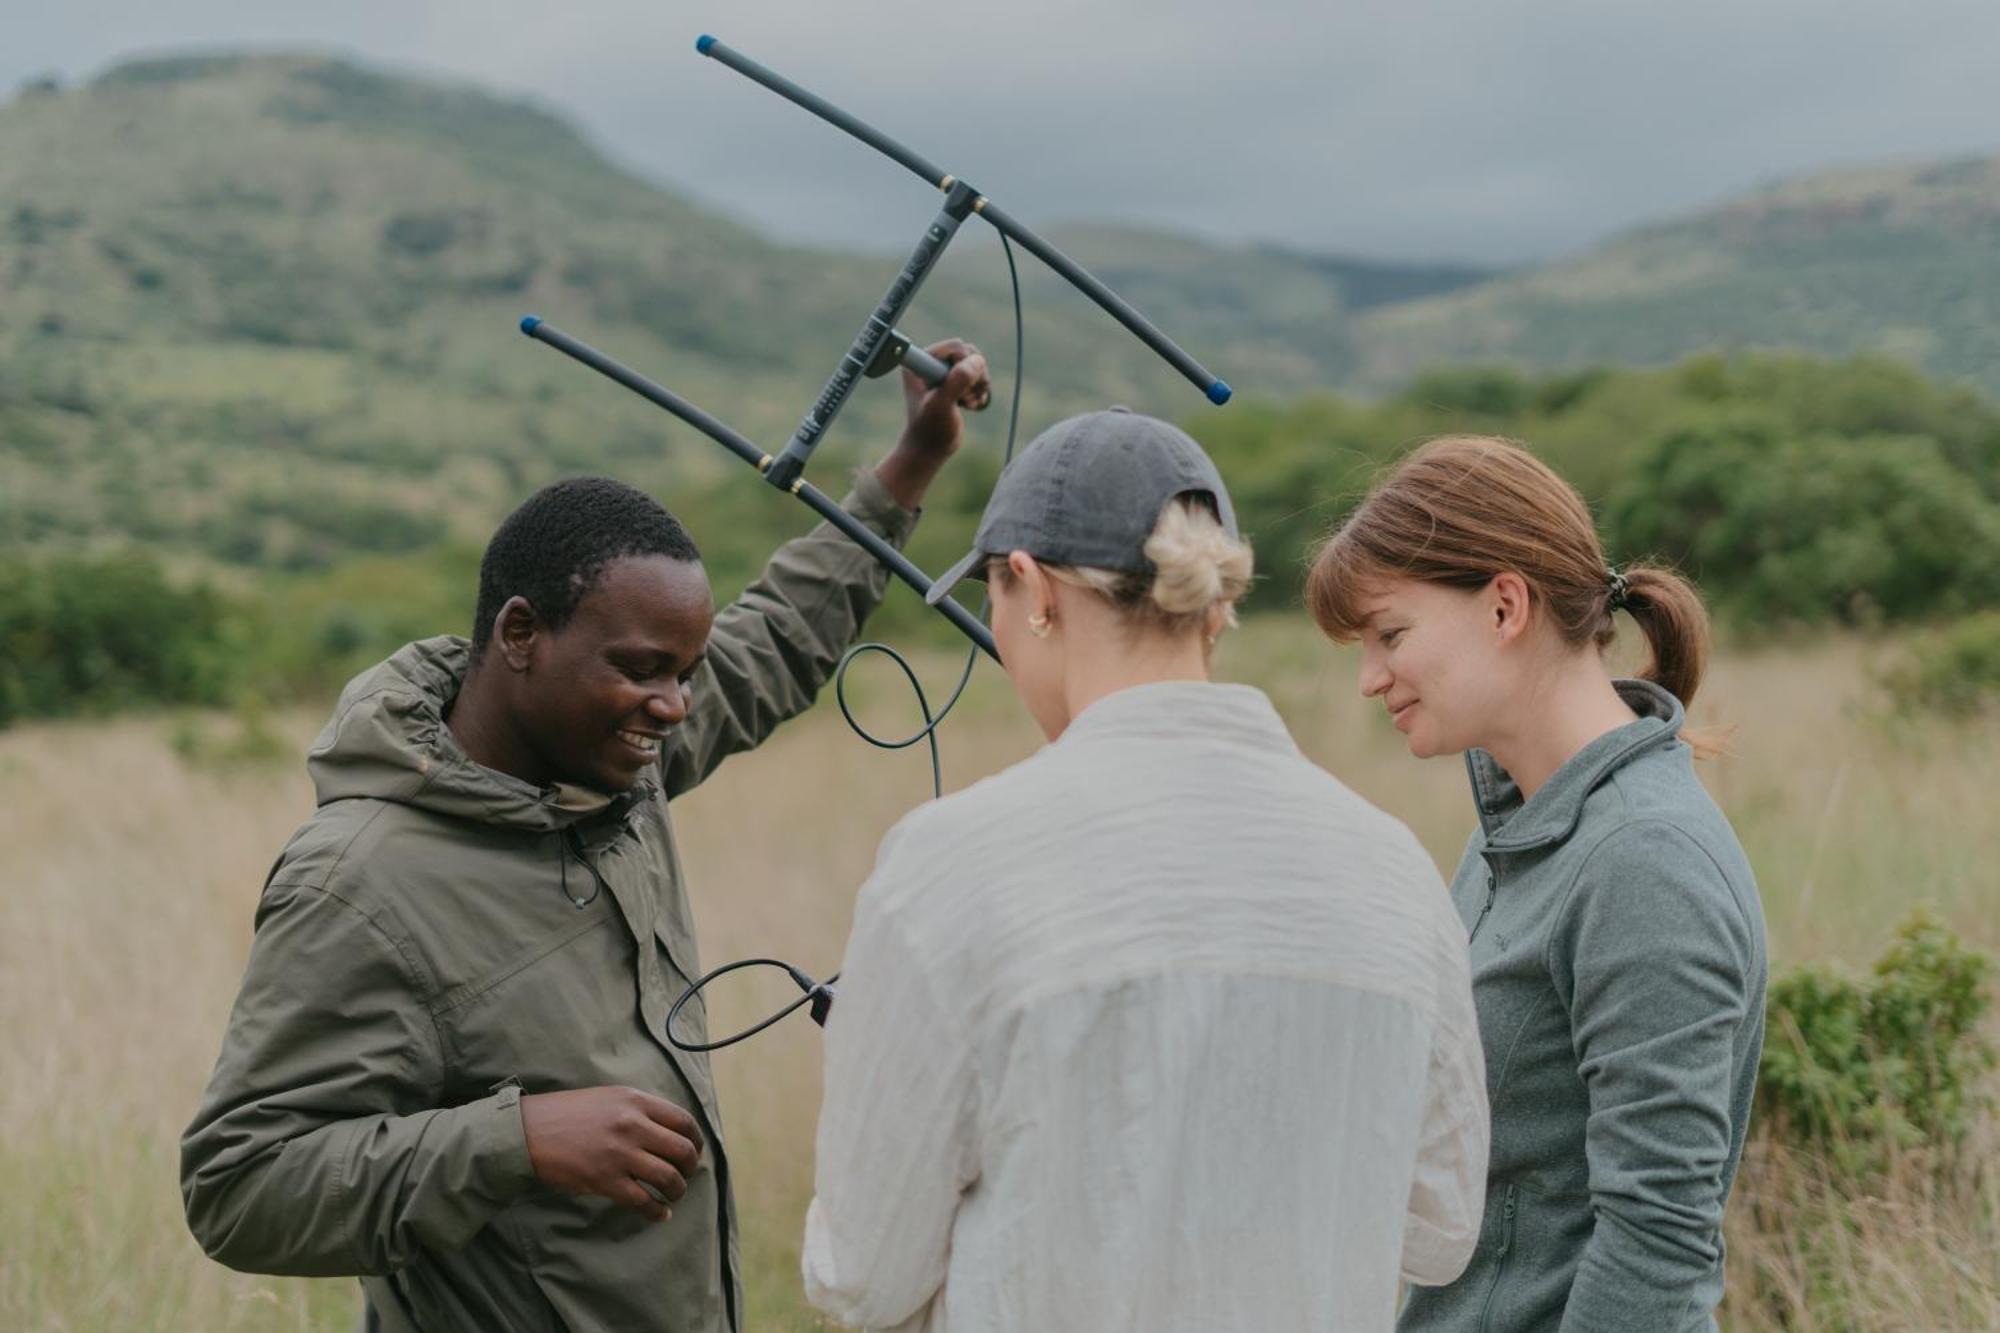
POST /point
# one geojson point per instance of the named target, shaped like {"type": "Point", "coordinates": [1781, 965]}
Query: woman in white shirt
{"type": "Point", "coordinates": [1162, 1028]}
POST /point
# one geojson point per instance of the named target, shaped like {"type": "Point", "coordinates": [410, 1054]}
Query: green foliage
{"type": "Point", "coordinates": [1954, 670]}
{"type": "Point", "coordinates": [1766, 477]}
{"type": "Point", "coordinates": [248, 740]}
{"type": "Point", "coordinates": [285, 276]}
{"type": "Point", "coordinates": [1295, 470]}
{"type": "Point", "coordinates": [1776, 481]}
{"type": "Point", "coordinates": [1492, 393]}
{"type": "Point", "coordinates": [91, 635]}
{"type": "Point", "coordinates": [1782, 526]}
{"type": "Point", "coordinates": [270, 336]}
{"type": "Point", "coordinates": [310, 633]}
{"type": "Point", "coordinates": [1861, 1068]}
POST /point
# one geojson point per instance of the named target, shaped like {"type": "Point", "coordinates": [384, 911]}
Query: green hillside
{"type": "Point", "coordinates": [1901, 259]}
{"type": "Point", "coordinates": [260, 311]}
{"type": "Point", "coordinates": [1281, 318]}
{"type": "Point", "coordinates": [258, 319]}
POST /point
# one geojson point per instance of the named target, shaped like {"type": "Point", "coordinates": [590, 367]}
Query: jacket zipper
{"type": "Point", "coordinates": [570, 839]}
{"type": "Point", "coordinates": [1492, 888]}
{"type": "Point", "coordinates": [1500, 1267]}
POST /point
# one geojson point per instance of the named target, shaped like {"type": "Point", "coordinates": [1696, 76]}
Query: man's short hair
{"type": "Point", "coordinates": [554, 548]}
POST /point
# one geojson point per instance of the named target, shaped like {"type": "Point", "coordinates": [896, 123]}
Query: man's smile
{"type": "Point", "coordinates": [646, 743]}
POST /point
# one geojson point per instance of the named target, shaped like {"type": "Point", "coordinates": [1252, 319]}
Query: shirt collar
{"type": "Point", "coordinates": [1196, 709]}
{"type": "Point", "coordinates": [1514, 825]}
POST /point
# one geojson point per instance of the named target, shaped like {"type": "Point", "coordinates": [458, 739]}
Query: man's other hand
{"type": "Point", "coordinates": [615, 1143]}
{"type": "Point", "coordinates": [934, 425]}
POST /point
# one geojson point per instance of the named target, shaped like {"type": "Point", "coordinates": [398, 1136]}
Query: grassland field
{"type": "Point", "coordinates": [128, 875]}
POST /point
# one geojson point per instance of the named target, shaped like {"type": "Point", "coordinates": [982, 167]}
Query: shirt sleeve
{"type": "Point", "coordinates": [896, 1138]}
{"type": "Point", "coordinates": [1448, 1187]}
{"type": "Point", "coordinates": [1659, 965]}
{"type": "Point", "coordinates": [319, 1148]}
{"type": "Point", "coordinates": [772, 649]}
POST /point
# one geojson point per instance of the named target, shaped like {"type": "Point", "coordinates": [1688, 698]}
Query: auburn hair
{"type": "Point", "coordinates": [1462, 509]}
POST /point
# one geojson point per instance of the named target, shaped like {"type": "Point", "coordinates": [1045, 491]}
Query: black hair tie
{"type": "Point", "coordinates": [1621, 589]}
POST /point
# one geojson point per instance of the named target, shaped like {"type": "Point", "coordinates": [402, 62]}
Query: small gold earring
{"type": "Point", "coordinates": [1038, 624]}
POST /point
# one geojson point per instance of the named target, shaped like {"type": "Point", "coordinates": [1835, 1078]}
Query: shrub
{"type": "Point", "coordinates": [1864, 1068]}
{"type": "Point", "coordinates": [1811, 529]}
{"type": "Point", "coordinates": [313, 631]}
{"type": "Point", "coordinates": [1955, 671]}
{"type": "Point", "coordinates": [419, 235]}
{"type": "Point", "coordinates": [250, 740]}
{"type": "Point", "coordinates": [90, 635]}
{"type": "Point", "coordinates": [1490, 392]}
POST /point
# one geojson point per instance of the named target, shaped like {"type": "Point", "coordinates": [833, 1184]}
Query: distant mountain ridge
{"type": "Point", "coordinates": [1367, 283]}
{"type": "Point", "coordinates": [1898, 258]}
{"type": "Point", "coordinates": [260, 309]}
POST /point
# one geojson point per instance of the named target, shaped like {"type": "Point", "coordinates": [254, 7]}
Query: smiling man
{"type": "Point", "coordinates": [447, 1069]}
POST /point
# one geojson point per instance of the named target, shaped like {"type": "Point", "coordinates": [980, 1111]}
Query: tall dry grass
{"type": "Point", "coordinates": [128, 877]}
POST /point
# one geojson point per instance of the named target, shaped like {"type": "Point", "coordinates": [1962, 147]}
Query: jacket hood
{"type": "Point", "coordinates": [1513, 825]}
{"type": "Point", "coordinates": [387, 741]}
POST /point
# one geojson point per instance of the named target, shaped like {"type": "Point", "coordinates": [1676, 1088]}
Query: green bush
{"type": "Point", "coordinates": [309, 633]}
{"type": "Point", "coordinates": [1861, 1068]}
{"type": "Point", "coordinates": [1954, 671]}
{"type": "Point", "coordinates": [1491, 393]}
{"type": "Point", "coordinates": [1810, 529]}
{"type": "Point", "coordinates": [248, 741]}
{"type": "Point", "coordinates": [1796, 490]}
{"type": "Point", "coordinates": [91, 635]}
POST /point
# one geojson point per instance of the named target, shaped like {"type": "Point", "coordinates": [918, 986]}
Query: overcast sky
{"type": "Point", "coordinates": [1487, 130]}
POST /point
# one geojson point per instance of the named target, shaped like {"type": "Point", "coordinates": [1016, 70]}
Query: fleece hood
{"type": "Point", "coordinates": [387, 741]}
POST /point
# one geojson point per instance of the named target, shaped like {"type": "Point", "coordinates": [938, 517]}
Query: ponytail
{"type": "Point", "coordinates": [1668, 611]}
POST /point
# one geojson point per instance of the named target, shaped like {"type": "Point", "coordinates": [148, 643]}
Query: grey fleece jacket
{"type": "Point", "coordinates": [1618, 969]}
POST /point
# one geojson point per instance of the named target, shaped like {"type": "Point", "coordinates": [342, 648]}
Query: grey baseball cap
{"type": "Point", "coordinates": [1088, 491]}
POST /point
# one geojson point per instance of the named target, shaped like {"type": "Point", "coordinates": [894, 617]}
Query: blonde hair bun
{"type": "Point", "coordinates": [1197, 567]}
{"type": "Point", "coordinates": [1196, 562]}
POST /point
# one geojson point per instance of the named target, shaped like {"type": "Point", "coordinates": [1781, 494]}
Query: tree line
{"type": "Point", "coordinates": [1797, 492]}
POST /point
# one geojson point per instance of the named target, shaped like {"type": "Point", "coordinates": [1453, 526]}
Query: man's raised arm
{"type": "Point", "coordinates": [774, 647]}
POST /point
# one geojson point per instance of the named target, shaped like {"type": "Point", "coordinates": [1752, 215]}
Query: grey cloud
{"type": "Point", "coordinates": [1466, 128]}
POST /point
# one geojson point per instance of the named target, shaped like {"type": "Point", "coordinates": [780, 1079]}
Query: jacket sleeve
{"type": "Point", "coordinates": [896, 1138]}
{"type": "Point", "coordinates": [1448, 1187]}
{"type": "Point", "coordinates": [319, 1148]}
{"type": "Point", "coordinates": [773, 647]}
{"type": "Point", "coordinates": [1659, 965]}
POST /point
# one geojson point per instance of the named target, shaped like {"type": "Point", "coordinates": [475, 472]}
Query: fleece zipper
{"type": "Point", "coordinates": [1507, 1209]}
{"type": "Point", "coordinates": [1492, 889]}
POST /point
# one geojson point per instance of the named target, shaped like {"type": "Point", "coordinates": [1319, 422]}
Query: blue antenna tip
{"type": "Point", "coordinates": [529, 323]}
{"type": "Point", "coordinates": [1218, 392]}
{"type": "Point", "coordinates": [703, 42]}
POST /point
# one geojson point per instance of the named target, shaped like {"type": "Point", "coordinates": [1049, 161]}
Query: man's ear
{"type": "Point", "coordinates": [515, 632]}
{"type": "Point", "coordinates": [1510, 605]}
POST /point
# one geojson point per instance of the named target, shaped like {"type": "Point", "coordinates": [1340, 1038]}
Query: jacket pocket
{"type": "Point", "coordinates": [1509, 1207]}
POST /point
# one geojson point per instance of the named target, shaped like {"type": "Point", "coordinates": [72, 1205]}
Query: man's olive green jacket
{"type": "Point", "coordinates": [440, 938]}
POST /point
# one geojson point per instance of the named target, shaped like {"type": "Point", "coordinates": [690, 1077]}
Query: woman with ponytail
{"type": "Point", "coordinates": [1617, 941]}
{"type": "Point", "coordinates": [1162, 1030]}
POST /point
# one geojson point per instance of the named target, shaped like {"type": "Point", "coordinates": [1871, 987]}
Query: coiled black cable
{"type": "Point", "coordinates": [819, 994]}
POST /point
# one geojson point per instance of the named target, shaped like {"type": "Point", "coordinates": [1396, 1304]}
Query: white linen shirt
{"type": "Point", "coordinates": [1160, 1029]}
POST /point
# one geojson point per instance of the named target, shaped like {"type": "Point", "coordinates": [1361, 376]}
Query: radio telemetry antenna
{"type": "Point", "coordinates": [878, 347]}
